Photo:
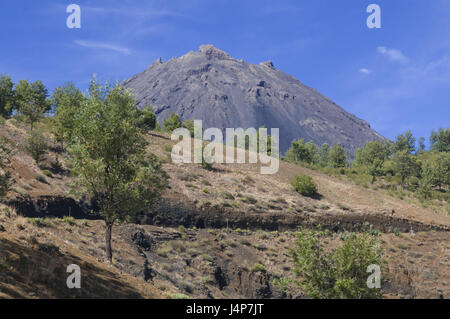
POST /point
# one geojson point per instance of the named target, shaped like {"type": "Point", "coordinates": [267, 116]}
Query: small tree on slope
{"type": "Point", "coordinates": [110, 159]}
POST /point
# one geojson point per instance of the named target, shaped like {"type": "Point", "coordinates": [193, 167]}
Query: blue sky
{"type": "Point", "coordinates": [397, 78]}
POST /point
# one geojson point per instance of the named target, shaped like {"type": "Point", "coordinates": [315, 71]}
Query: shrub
{"type": "Point", "coordinates": [258, 268]}
{"type": "Point", "coordinates": [40, 222]}
{"type": "Point", "coordinates": [304, 185]}
{"type": "Point", "coordinates": [189, 124]}
{"type": "Point", "coordinates": [179, 296]}
{"type": "Point", "coordinates": [56, 165]}
{"type": "Point", "coordinates": [227, 195]}
{"type": "Point", "coordinates": [172, 123]}
{"type": "Point", "coordinates": [339, 273]}
{"type": "Point", "coordinates": [147, 119]}
{"type": "Point", "coordinates": [249, 200]}
{"type": "Point", "coordinates": [68, 220]}
{"type": "Point", "coordinates": [47, 173]}
{"type": "Point", "coordinates": [36, 146]}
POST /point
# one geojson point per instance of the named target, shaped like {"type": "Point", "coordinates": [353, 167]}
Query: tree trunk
{"type": "Point", "coordinates": [373, 179]}
{"type": "Point", "coordinates": [108, 247]}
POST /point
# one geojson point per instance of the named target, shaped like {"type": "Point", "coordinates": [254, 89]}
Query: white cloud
{"type": "Point", "coordinates": [393, 54]}
{"type": "Point", "coordinates": [103, 46]}
{"type": "Point", "coordinates": [365, 71]}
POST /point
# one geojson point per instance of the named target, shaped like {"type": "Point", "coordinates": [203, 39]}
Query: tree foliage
{"type": "Point", "coordinates": [36, 146]}
{"type": "Point", "coordinates": [110, 158]}
{"type": "Point", "coordinates": [6, 95]}
{"type": "Point", "coordinates": [189, 124]}
{"type": "Point", "coordinates": [147, 119]}
{"type": "Point", "coordinates": [67, 102]}
{"type": "Point", "coordinates": [301, 152]}
{"type": "Point", "coordinates": [32, 100]}
{"type": "Point", "coordinates": [405, 165]}
{"type": "Point", "coordinates": [405, 143]}
{"type": "Point", "coordinates": [172, 123]}
{"type": "Point", "coordinates": [337, 158]}
{"type": "Point", "coordinates": [440, 140]}
{"type": "Point", "coordinates": [339, 273]}
{"type": "Point", "coordinates": [371, 157]}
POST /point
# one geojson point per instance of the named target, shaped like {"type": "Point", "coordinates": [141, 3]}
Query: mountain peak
{"type": "Point", "coordinates": [213, 53]}
{"type": "Point", "coordinates": [223, 92]}
{"type": "Point", "coordinates": [269, 64]}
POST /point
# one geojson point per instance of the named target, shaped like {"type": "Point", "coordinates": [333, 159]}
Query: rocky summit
{"type": "Point", "coordinates": [212, 86]}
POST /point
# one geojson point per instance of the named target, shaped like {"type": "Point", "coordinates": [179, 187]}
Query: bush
{"type": "Point", "coordinates": [40, 222]}
{"type": "Point", "coordinates": [172, 123]}
{"type": "Point", "coordinates": [304, 185]}
{"type": "Point", "coordinates": [258, 268]}
{"type": "Point", "coordinates": [56, 165]}
{"type": "Point", "coordinates": [47, 173]}
{"type": "Point", "coordinates": [227, 195]}
{"type": "Point", "coordinates": [68, 220]}
{"type": "Point", "coordinates": [189, 124]}
{"type": "Point", "coordinates": [147, 119]}
{"type": "Point", "coordinates": [36, 146]}
{"type": "Point", "coordinates": [339, 273]}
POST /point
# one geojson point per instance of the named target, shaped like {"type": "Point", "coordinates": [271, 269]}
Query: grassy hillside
{"type": "Point", "coordinates": [224, 232]}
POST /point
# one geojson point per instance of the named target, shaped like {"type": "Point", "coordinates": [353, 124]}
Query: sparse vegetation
{"type": "Point", "coordinates": [40, 222]}
{"type": "Point", "coordinates": [258, 268]}
{"type": "Point", "coordinates": [304, 185]}
{"type": "Point", "coordinates": [172, 123]}
{"type": "Point", "coordinates": [339, 273]}
{"type": "Point", "coordinates": [36, 146]}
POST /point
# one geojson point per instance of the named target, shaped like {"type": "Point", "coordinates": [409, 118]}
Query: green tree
{"type": "Point", "coordinates": [372, 156]}
{"type": "Point", "coordinates": [337, 158]}
{"type": "Point", "coordinates": [405, 142]}
{"type": "Point", "coordinates": [339, 273]}
{"type": "Point", "coordinates": [421, 145]}
{"type": "Point", "coordinates": [147, 119]}
{"type": "Point", "coordinates": [405, 165]}
{"type": "Point", "coordinates": [427, 181]}
{"type": "Point", "coordinates": [36, 146]}
{"type": "Point", "coordinates": [301, 152]}
{"type": "Point", "coordinates": [441, 170]}
{"type": "Point", "coordinates": [32, 100]}
{"type": "Point", "coordinates": [189, 124]}
{"type": "Point", "coordinates": [6, 95]}
{"type": "Point", "coordinates": [323, 154]}
{"type": "Point", "coordinates": [268, 141]}
{"type": "Point", "coordinates": [172, 123]}
{"type": "Point", "coordinates": [110, 158]}
{"type": "Point", "coordinates": [67, 101]}
{"type": "Point", "coordinates": [440, 140]}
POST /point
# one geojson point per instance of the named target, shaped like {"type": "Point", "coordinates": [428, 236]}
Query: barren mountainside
{"type": "Point", "coordinates": [212, 86]}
